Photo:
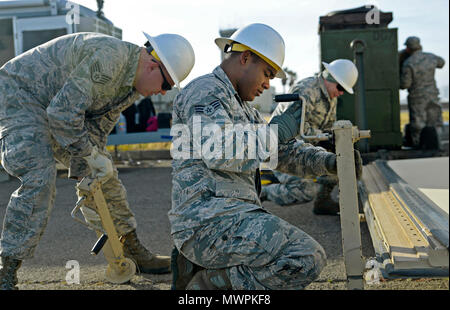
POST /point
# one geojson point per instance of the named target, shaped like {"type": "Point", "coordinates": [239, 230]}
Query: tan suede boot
{"type": "Point", "coordinates": [146, 262]}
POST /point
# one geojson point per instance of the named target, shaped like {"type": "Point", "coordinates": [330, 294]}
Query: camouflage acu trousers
{"type": "Point", "coordinates": [424, 111]}
{"type": "Point", "coordinates": [258, 252]}
{"type": "Point", "coordinates": [290, 190]}
{"type": "Point", "coordinates": [30, 155]}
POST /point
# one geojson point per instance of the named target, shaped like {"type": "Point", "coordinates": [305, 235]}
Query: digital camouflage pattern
{"type": "Point", "coordinates": [258, 252]}
{"type": "Point", "coordinates": [290, 190]}
{"type": "Point", "coordinates": [58, 101]}
{"type": "Point", "coordinates": [212, 197]}
{"type": "Point", "coordinates": [417, 76]}
{"type": "Point", "coordinates": [320, 115]}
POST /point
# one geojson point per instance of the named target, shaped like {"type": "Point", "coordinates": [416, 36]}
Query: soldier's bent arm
{"type": "Point", "coordinates": [220, 137]}
{"type": "Point", "coordinates": [304, 160]}
{"type": "Point", "coordinates": [440, 62]}
{"type": "Point", "coordinates": [310, 94]}
{"type": "Point", "coordinates": [406, 78]}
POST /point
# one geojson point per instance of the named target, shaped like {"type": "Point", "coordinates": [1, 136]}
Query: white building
{"type": "Point", "coordinates": [28, 23]}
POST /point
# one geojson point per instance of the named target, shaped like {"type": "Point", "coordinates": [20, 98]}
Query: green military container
{"type": "Point", "coordinates": [381, 71]}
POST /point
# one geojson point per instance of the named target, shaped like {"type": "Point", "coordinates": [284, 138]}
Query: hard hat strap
{"type": "Point", "coordinates": [238, 47]}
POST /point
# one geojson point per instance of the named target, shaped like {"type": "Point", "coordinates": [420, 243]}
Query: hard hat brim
{"type": "Point", "coordinates": [347, 89]}
{"type": "Point", "coordinates": [163, 58]}
{"type": "Point", "coordinates": [222, 42]}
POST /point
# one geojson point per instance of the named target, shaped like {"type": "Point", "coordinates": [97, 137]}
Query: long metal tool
{"type": "Point", "coordinates": [345, 135]}
{"type": "Point", "coordinates": [120, 269]}
{"type": "Point", "coordinates": [296, 97]}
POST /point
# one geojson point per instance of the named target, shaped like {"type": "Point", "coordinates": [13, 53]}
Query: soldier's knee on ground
{"type": "Point", "coordinates": [314, 264]}
{"type": "Point", "coordinates": [300, 272]}
{"type": "Point", "coordinates": [320, 260]}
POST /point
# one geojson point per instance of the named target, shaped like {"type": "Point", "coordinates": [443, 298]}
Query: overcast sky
{"type": "Point", "coordinates": [296, 20]}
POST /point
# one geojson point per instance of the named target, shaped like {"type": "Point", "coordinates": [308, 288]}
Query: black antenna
{"type": "Point", "coordinates": [99, 9]}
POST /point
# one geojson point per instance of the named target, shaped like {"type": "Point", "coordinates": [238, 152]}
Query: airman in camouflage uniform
{"type": "Point", "coordinates": [224, 238]}
{"type": "Point", "coordinates": [60, 101]}
{"type": "Point", "coordinates": [417, 75]}
{"type": "Point", "coordinates": [320, 113]}
{"type": "Point", "coordinates": [320, 95]}
{"type": "Point", "coordinates": [320, 116]}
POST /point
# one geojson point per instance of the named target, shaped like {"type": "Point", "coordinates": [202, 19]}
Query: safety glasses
{"type": "Point", "coordinates": [340, 88]}
{"type": "Point", "coordinates": [165, 85]}
{"type": "Point", "coordinates": [329, 78]}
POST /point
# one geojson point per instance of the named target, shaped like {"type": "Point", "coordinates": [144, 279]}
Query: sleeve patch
{"type": "Point", "coordinates": [208, 109]}
{"type": "Point", "coordinates": [96, 74]}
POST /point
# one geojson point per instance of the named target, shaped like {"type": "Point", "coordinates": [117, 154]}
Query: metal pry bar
{"type": "Point", "coordinates": [345, 136]}
{"type": "Point", "coordinates": [120, 269]}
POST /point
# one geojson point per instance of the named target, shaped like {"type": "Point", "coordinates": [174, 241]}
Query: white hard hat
{"type": "Point", "coordinates": [176, 54]}
{"type": "Point", "coordinates": [261, 39]}
{"type": "Point", "coordinates": [344, 72]}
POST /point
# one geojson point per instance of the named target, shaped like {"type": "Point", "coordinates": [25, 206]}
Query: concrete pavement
{"type": "Point", "coordinates": [149, 191]}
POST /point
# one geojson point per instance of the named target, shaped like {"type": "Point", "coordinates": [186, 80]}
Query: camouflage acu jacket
{"type": "Point", "coordinates": [208, 188]}
{"type": "Point", "coordinates": [78, 83]}
{"type": "Point", "coordinates": [418, 74]}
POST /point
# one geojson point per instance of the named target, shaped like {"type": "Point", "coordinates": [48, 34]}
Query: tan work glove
{"type": "Point", "coordinates": [100, 165]}
{"type": "Point", "coordinates": [358, 164]}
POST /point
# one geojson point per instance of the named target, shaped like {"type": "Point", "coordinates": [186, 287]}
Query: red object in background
{"type": "Point", "coordinates": [152, 124]}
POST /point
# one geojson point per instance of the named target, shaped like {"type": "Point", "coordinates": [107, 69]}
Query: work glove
{"type": "Point", "coordinates": [358, 164]}
{"type": "Point", "coordinates": [328, 145]}
{"type": "Point", "coordinates": [331, 164]}
{"type": "Point", "coordinates": [288, 122]}
{"type": "Point", "coordinates": [100, 165]}
{"type": "Point", "coordinates": [78, 168]}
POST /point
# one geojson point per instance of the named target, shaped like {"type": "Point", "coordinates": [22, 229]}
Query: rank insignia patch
{"type": "Point", "coordinates": [209, 109]}
{"type": "Point", "coordinates": [96, 74]}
